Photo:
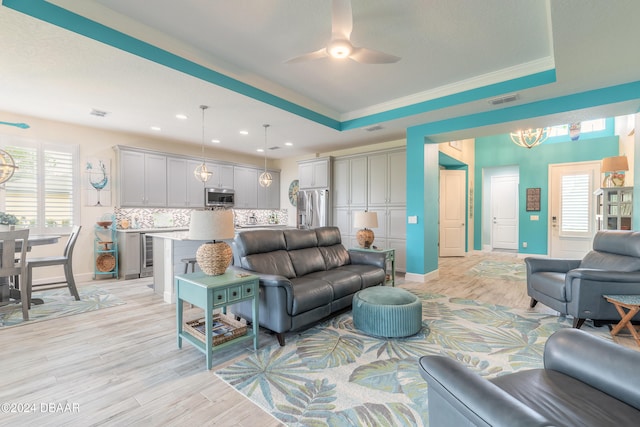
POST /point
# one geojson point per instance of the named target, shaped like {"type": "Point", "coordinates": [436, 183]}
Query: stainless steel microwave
{"type": "Point", "coordinates": [219, 197]}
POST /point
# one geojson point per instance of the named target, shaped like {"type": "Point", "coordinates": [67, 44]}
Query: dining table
{"type": "Point", "coordinates": [6, 292]}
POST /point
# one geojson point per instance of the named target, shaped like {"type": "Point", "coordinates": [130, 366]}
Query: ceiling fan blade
{"type": "Point", "coordinates": [318, 54]}
{"type": "Point", "coordinates": [18, 125]}
{"type": "Point", "coordinates": [369, 56]}
{"type": "Point", "coordinates": [341, 19]}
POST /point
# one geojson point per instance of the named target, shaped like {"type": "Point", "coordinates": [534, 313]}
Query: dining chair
{"type": "Point", "coordinates": [65, 260]}
{"type": "Point", "coordinates": [13, 262]}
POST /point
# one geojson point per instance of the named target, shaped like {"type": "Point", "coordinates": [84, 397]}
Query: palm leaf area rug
{"type": "Point", "coordinates": [513, 271]}
{"type": "Point", "coordinates": [333, 375]}
{"type": "Point", "coordinates": [59, 303]}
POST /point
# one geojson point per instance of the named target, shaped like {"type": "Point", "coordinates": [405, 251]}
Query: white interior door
{"type": "Point", "coordinates": [504, 212]}
{"type": "Point", "coordinates": [572, 208]}
{"type": "Point", "coordinates": [453, 212]}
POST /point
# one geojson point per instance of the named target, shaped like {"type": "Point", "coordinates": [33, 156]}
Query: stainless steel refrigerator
{"type": "Point", "coordinates": [313, 208]}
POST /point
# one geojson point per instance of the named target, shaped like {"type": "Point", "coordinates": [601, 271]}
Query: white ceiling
{"type": "Point", "coordinates": [449, 48]}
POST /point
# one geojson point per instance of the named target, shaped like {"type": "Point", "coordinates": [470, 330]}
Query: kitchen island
{"type": "Point", "coordinates": [170, 248]}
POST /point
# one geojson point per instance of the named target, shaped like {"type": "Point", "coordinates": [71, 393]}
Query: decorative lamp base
{"type": "Point", "coordinates": [214, 258]}
{"type": "Point", "coordinates": [365, 238]}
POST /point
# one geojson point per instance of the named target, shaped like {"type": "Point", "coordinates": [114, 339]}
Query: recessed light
{"type": "Point", "coordinates": [260, 150]}
{"type": "Point", "coordinates": [288, 144]}
{"type": "Point", "coordinates": [181, 116]}
{"type": "Point", "coordinates": [156, 128]}
{"type": "Point", "coordinates": [244, 132]}
{"type": "Point", "coordinates": [215, 141]}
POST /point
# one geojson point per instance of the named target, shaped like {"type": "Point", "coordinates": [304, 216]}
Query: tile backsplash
{"type": "Point", "coordinates": [179, 218]}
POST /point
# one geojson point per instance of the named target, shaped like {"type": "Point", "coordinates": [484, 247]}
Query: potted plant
{"type": "Point", "coordinates": [7, 220]}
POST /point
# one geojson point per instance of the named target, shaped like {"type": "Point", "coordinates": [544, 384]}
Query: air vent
{"type": "Point", "coordinates": [374, 128]}
{"type": "Point", "coordinates": [274, 148]}
{"type": "Point", "coordinates": [503, 99]}
{"type": "Point", "coordinates": [98, 113]}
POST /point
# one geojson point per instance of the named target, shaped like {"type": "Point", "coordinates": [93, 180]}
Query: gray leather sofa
{"type": "Point", "coordinates": [305, 275]}
{"type": "Point", "coordinates": [586, 381]}
{"type": "Point", "coordinates": [576, 287]}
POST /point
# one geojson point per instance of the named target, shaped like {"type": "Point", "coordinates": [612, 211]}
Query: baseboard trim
{"type": "Point", "coordinates": [422, 278]}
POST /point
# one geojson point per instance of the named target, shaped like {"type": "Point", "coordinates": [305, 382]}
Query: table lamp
{"type": "Point", "coordinates": [614, 168]}
{"type": "Point", "coordinates": [365, 221]}
{"type": "Point", "coordinates": [214, 256]}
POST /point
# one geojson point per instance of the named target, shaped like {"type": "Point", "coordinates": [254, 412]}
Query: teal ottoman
{"type": "Point", "coordinates": [388, 312]}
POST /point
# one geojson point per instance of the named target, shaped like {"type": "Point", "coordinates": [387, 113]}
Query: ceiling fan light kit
{"type": "Point", "coordinates": [340, 46]}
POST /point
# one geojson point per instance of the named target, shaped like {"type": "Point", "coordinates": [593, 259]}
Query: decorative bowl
{"type": "Point", "coordinates": [104, 224]}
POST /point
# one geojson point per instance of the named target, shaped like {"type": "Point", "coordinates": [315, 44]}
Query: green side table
{"type": "Point", "coordinates": [391, 257]}
{"type": "Point", "coordinates": [209, 293]}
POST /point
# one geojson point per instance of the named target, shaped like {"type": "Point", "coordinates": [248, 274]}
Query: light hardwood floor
{"type": "Point", "coordinates": [121, 365]}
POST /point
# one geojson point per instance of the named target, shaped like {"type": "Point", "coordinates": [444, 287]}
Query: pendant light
{"type": "Point", "coordinates": [201, 173]}
{"type": "Point", "coordinates": [265, 179]}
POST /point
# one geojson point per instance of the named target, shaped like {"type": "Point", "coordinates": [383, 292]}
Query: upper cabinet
{"type": "Point", "coordinates": [152, 179]}
{"type": "Point", "coordinates": [221, 175]}
{"type": "Point", "coordinates": [143, 179]}
{"type": "Point", "coordinates": [246, 187]}
{"type": "Point", "coordinates": [184, 190]}
{"type": "Point", "coordinates": [388, 178]}
{"type": "Point", "coordinates": [314, 173]}
{"type": "Point", "coordinates": [350, 181]}
{"type": "Point", "coordinates": [269, 197]}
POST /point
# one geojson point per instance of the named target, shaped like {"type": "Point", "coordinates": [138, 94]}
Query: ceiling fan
{"type": "Point", "coordinates": [18, 125]}
{"type": "Point", "coordinates": [340, 46]}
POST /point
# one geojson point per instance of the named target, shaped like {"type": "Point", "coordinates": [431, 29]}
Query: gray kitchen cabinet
{"type": "Point", "coordinates": [387, 179]}
{"type": "Point", "coordinates": [245, 180]}
{"type": "Point", "coordinates": [269, 197]}
{"type": "Point", "coordinates": [129, 253]}
{"type": "Point", "coordinates": [314, 173]}
{"type": "Point", "coordinates": [350, 182]}
{"type": "Point", "coordinates": [183, 188]}
{"type": "Point", "coordinates": [143, 179]}
{"type": "Point", "coordinates": [222, 175]}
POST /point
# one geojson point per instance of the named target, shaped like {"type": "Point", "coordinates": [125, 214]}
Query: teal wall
{"type": "Point", "coordinates": [499, 150]}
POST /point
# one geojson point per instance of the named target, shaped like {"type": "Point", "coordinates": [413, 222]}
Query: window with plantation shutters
{"type": "Point", "coordinates": [44, 191]}
{"type": "Point", "coordinates": [575, 205]}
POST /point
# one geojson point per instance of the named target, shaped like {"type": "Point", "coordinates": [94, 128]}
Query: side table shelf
{"type": "Point", "coordinates": [215, 292]}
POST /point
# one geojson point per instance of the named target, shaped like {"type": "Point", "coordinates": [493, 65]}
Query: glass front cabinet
{"type": "Point", "coordinates": [613, 208]}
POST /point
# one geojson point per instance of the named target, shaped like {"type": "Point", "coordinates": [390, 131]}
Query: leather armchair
{"type": "Point", "coordinates": [586, 381]}
{"type": "Point", "coordinates": [576, 287]}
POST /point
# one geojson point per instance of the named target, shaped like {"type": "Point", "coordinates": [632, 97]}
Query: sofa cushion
{"type": "Point", "coordinates": [343, 282]}
{"type": "Point", "coordinates": [607, 261]}
{"type": "Point", "coordinates": [334, 256]}
{"type": "Point", "coordinates": [300, 239]}
{"type": "Point", "coordinates": [307, 261]}
{"type": "Point", "coordinates": [550, 283]}
{"type": "Point", "coordinates": [310, 293]}
{"type": "Point", "coordinates": [565, 400]}
{"type": "Point", "coordinates": [620, 242]}
{"type": "Point", "coordinates": [328, 236]}
{"type": "Point", "coordinates": [277, 262]}
{"type": "Point", "coordinates": [259, 241]}
{"type": "Point", "coordinates": [369, 274]}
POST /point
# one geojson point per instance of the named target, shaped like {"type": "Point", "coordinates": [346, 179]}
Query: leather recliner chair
{"type": "Point", "coordinates": [576, 287]}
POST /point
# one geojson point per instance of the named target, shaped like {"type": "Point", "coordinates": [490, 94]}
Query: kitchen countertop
{"type": "Point", "coordinates": [152, 230]}
{"type": "Point", "coordinates": [183, 234]}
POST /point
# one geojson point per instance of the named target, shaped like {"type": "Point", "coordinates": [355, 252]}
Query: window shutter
{"type": "Point", "coordinates": [575, 205]}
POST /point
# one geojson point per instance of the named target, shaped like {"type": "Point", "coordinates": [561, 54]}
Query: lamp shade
{"type": "Point", "coordinates": [365, 219]}
{"type": "Point", "coordinates": [211, 225]}
{"type": "Point", "coordinates": [614, 164]}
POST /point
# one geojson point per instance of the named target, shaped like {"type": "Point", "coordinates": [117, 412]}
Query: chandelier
{"type": "Point", "coordinates": [265, 179]}
{"type": "Point", "coordinates": [7, 166]}
{"type": "Point", "coordinates": [201, 173]}
{"type": "Point", "coordinates": [530, 137]}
